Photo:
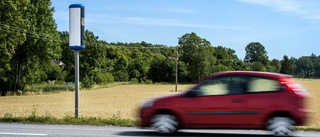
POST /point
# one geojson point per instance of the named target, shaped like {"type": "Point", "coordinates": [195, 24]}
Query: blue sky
{"type": "Point", "coordinates": [283, 27]}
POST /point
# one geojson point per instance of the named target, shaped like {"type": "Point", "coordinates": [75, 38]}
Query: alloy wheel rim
{"type": "Point", "coordinates": [164, 123]}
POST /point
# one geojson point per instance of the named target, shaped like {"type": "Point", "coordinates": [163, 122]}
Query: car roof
{"type": "Point", "coordinates": [252, 73]}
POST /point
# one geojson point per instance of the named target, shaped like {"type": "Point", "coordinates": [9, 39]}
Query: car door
{"type": "Point", "coordinates": [263, 96]}
{"type": "Point", "coordinates": [217, 102]}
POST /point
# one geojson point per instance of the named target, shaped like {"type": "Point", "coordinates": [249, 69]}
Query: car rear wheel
{"type": "Point", "coordinates": [164, 123]}
{"type": "Point", "coordinates": [281, 126]}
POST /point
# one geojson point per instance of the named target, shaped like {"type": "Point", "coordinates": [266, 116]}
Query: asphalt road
{"type": "Point", "coordinates": [33, 130]}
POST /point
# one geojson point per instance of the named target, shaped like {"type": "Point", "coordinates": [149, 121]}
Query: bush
{"type": "Point", "coordinates": [46, 88]}
{"type": "Point", "coordinates": [87, 82]}
{"type": "Point", "coordinates": [104, 78]}
{"type": "Point", "coordinates": [147, 81]}
{"type": "Point", "coordinates": [134, 81]}
{"type": "Point", "coordinates": [121, 76]}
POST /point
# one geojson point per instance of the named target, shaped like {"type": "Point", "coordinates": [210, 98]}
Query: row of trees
{"type": "Point", "coordinates": [103, 62]}
{"type": "Point", "coordinates": [30, 43]}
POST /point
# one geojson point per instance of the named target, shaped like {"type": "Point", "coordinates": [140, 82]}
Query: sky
{"type": "Point", "coordinates": [283, 27]}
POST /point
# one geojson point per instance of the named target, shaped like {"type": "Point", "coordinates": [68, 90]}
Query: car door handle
{"type": "Point", "coordinates": [238, 100]}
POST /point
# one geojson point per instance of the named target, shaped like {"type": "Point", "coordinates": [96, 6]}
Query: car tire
{"type": "Point", "coordinates": [164, 123]}
{"type": "Point", "coordinates": [281, 126]}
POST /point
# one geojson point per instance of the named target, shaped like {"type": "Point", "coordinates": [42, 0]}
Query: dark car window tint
{"type": "Point", "coordinates": [263, 85]}
{"type": "Point", "coordinates": [223, 86]}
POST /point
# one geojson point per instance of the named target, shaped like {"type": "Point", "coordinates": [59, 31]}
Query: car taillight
{"type": "Point", "coordinates": [297, 90]}
{"type": "Point", "coordinates": [294, 87]}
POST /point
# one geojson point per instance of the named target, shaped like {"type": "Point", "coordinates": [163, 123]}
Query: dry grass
{"type": "Point", "coordinates": [121, 100]}
{"type": "Point", "coordinates": [313, 86]}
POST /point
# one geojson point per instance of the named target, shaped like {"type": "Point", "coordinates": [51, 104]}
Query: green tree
{"type": "Point", "coordinates": [197, 53]}
{"type": "Point", "coordinates": [317, 67]}
{"type": "Point", "coordinates": [257, 66]}
{"type": "Point", "coordinates": [274, 66]}
{"type": "Point", "coordinates": [104, 78]}
{"type": "Point", "coordinates": [121, 62]}
{"type": "Point", "coordinates": [42, 44]}
{"type": "Point", "coordinates": [91, 58]}
{"type": "Point", "coordinates": [226, 59]}
{"type": "Point", "coordinates": [255, 52]}
{"type": "Point", "coordinates": [32, 35]}
{"type": "Point", "coordinates": [55, 72]}
{"type": "Point", "coordinates": [138, 69]}
{"type": "Point", "coordinates": [162, 70]}
{"type": "Point", "coordinates": [13, 26]}
{"type": "Point", "coordinates": [304, 67]}
{"type": "Point", "coordinates": [286, 65]}
{"type": "Point", "coordinates": [120, 68]}
{"type": "Point", "coordinates": [67, 56]}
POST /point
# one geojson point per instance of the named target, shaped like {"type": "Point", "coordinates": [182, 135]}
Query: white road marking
{"type": "Point", "coordinates": [23, 134]}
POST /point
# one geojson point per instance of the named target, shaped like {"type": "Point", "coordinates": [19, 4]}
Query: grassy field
{"type": "Point", "coordinates": [313, 86]}
{"type": "Point", "coordinates": [121, 101]}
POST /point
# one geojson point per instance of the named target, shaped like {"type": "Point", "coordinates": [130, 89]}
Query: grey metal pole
{"type": "Point", "coordinates": [76, 84]}
{"type": "Point", "coordinates": [176, 70]}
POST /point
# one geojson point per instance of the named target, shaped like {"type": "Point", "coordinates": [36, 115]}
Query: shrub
{"type": "Point", "coordinates": [134, 81]}
{"type": "Point", "coordinates": [87, 82]}
{"type": "Point", "coordinates": [104, 78]}
{"type": "Point", "coordinates": [147, 81]}
{"type": "Point", "coordinates": [121, 76]}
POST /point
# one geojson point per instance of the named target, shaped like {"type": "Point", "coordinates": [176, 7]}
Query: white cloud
{"type": "Point", "coordinates": [290, 6]}
{"type": "Point", "coordinates": [106, 19]}
{"type": "Point", "coordinates": [306, 9]}
{"type": "Point", "coordinates": [180, 11]}
{"type": "Point", "coordinates": [314, 17]}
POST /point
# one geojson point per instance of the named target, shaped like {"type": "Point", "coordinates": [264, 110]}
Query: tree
{"type": "Point", "coordinates": [226, 59]}
{"type": "Point", "coordinates": [138, 69]}
{"type": "Point", "coordinates": [304, 67]}
{"type": "Point", "coordinates": [67, 56]}
{"type": "Point", "coordinates": [286, 65]}
{"type": "Point", "coordinates": [13, 26]}
{"type": "Point", "coordinates": [93, 57]}
{"type": "Point", "coordinates": [197, 53]}
{"type": "Point", "coordinates": [31, 35]}
{"type": "Point", "coordinates": [257, 66]}
{"type": "Point", "coordinates": [162, 70]}
{"type": "Point", "coordinates": [317, 67]}
{"type": "Point", "coordinates": [120, 68]}
{"type": "Point", "coordinates": [255, 52]}
{"type": "Point", "coordinates": [274, 66]}
{"type": "Point", "coordinates": [41, 46]}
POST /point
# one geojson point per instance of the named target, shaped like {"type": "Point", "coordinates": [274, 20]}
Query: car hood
{"type": "Point", "coordinates": [168, 97]}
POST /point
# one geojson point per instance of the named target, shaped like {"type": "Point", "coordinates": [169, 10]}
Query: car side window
{"type": "Point", "coordinates": [257, 85]}
{"type": "Point", "coordinates": [213, 88]}
{"type": "Point", "coordinates": [223, 86]}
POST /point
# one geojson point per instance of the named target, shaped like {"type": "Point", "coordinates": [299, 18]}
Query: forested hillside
{"type": "Point", "coordinates": [33, 51]}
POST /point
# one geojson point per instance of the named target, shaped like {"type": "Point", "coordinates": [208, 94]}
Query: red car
{"type": "Point", "coordinates": [231, 100]}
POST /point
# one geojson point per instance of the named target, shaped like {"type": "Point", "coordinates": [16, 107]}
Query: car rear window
{"type": "Point", "coordinates": [263, 85]}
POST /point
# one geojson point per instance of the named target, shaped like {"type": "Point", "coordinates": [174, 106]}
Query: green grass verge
{"type": "Point", "coordinates": [68, 120]}
{"type": "Point", "coordinates": [306, 128]}
{"type": "Point", "coordinates": [94, 121]}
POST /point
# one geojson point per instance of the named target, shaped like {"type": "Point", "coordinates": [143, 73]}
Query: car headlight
{"type": "Point", "coordinates": [147, 104]}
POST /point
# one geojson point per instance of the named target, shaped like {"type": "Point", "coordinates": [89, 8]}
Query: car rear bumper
{"type": "Point", "coordinates": [302, 117]}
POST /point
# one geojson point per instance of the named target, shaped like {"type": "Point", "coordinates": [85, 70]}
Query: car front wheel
{"type": "Point", "coordinates": [281, 126]}
{"type": "Point", "coordinates": [164, 123]}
